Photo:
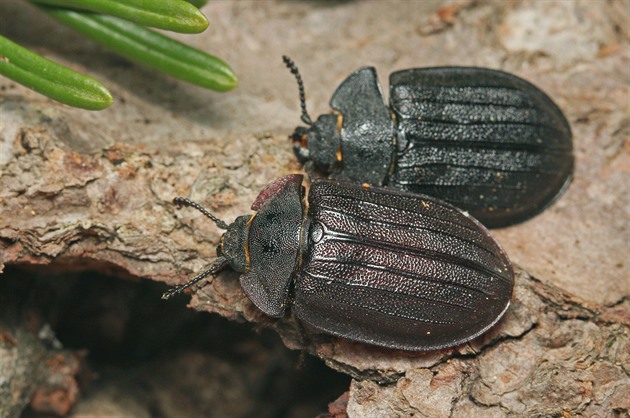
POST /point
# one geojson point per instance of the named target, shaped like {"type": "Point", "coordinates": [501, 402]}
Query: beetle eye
{"type": "Point", "coordinates": [304, 141]}
{"type": "Point", "coordinates": [300, 145]}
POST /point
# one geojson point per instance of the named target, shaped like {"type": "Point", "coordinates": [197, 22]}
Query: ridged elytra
{"type": "Point", "coordinates": [484, 140]}
{"type": "Point", "coordinates": [374, 265]}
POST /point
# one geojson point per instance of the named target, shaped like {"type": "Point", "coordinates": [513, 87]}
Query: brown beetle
{"type": "Point", "coordinates": [374, 265]}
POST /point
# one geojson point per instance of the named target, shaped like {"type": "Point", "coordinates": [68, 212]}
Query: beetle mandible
{"type": "Point", "coordinates": [484, 140]}
{"type": "Point", "coordinates": [369, 264]}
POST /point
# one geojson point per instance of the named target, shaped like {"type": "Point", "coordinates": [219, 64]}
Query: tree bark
{"type": "Point", "coordinates": [552, 353]}
{"type": "Point", "coordinates": [81, 194]}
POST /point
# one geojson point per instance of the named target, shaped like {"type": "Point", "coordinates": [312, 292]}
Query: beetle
{"type": "Point", "coordinates": [484, 140]}
{"type": "Point", "coordinates": [374, 265]}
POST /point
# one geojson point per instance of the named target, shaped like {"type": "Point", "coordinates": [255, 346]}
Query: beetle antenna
{"type": "Point", "coordinates": [183, 201]}
{"type": "Point", "coordinates": [218, 265]}
{"type": "Point", "coordinates": [291, 66]}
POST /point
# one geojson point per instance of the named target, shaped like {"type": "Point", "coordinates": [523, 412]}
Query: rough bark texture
{"type": "Point", "coordinates": [92, 191]}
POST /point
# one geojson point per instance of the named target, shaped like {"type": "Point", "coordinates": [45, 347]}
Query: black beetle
{"type": "Point", "coordinates": [484, 140]}
{"type": "Point", "coordinates": [370, 264]}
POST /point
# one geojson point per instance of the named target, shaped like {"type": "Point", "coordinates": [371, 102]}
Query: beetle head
{"type": "Point", "coordinates": [231, 250]}
{"type": "Point", "coordinates": [233, 244]}
{"type": "Point", "coordinates": [319, 145]}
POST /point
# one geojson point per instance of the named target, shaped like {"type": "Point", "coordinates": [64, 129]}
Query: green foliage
{"type": "Point", "coordinates": [173, 15]}
{"type": "Point", "coordinates": [119, 26]}
{"type": "Point", "coordinates": [51, 79]}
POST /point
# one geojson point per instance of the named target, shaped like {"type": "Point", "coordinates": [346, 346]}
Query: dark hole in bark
{"type": "Point", "coordinates": [159, 357]}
